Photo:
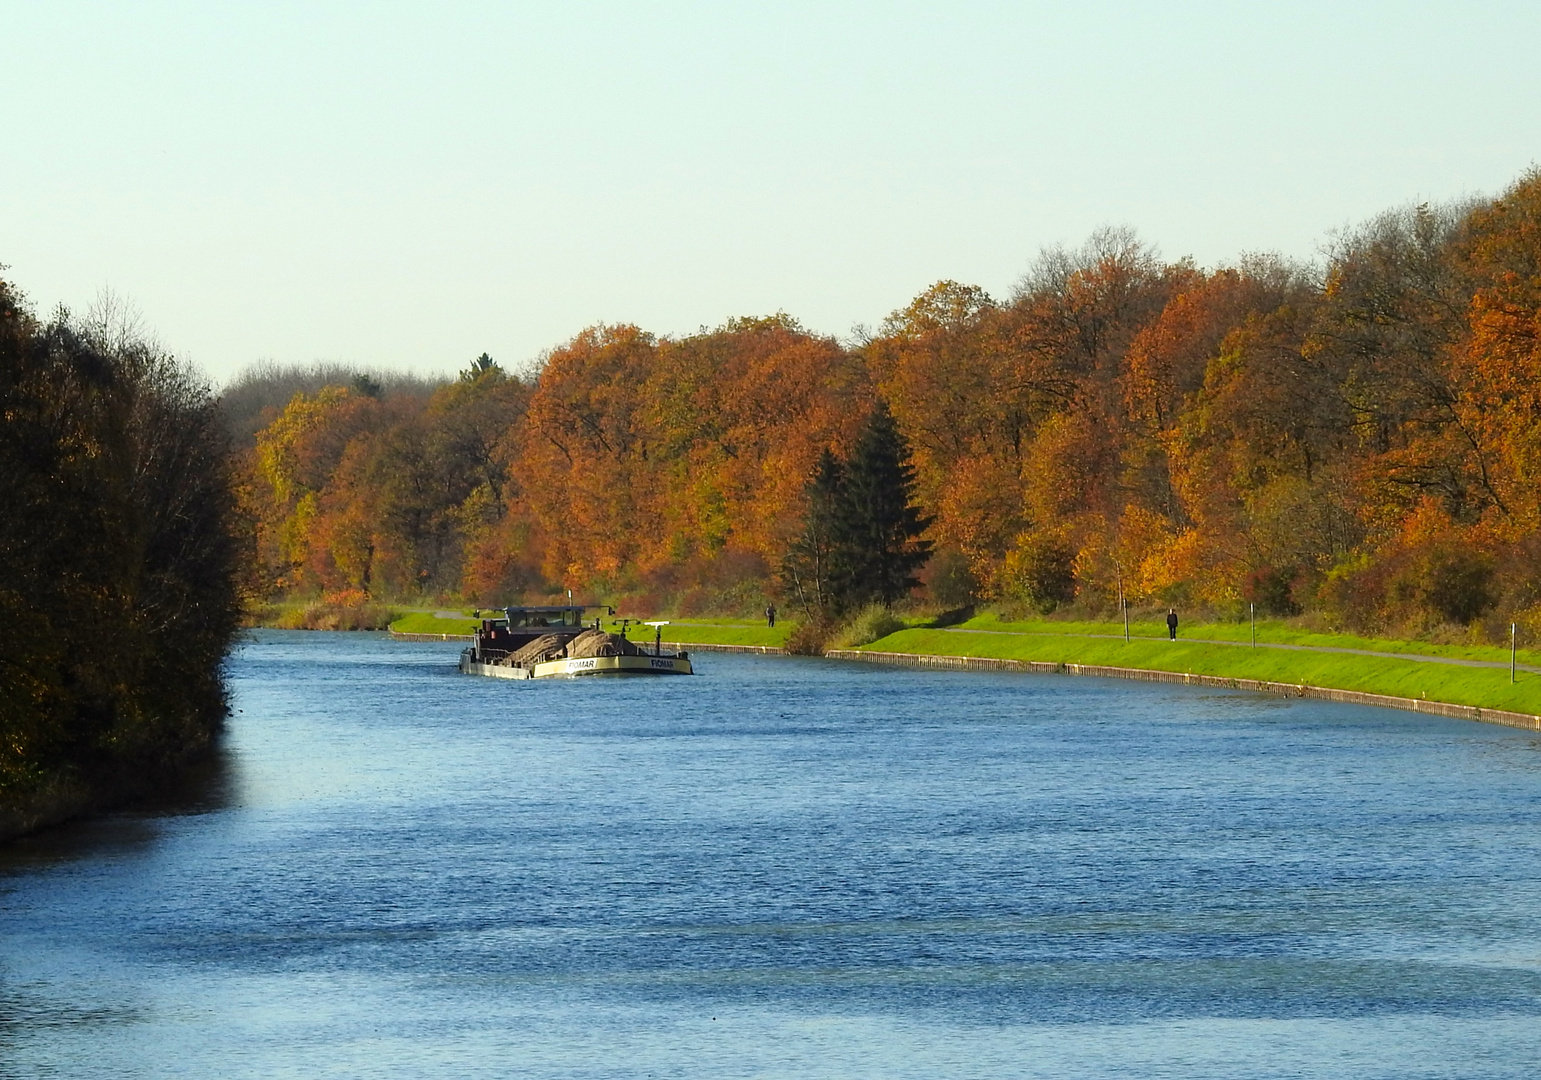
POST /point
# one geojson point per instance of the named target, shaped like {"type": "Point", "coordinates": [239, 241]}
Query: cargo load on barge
{"type": "Point", "coordinates": [559, 642]}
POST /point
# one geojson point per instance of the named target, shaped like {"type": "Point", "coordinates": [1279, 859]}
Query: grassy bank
{"type": "Point", "coordinates": [429, 622]}
{"type": "Point", "coordinates": [316, 615]}
{"type": "Point", "coordinates": [1268, 632]}
{"type": "Point", "coordinates": [723, 632]}
{"type": "Point", "coordinates": [1058, 643]}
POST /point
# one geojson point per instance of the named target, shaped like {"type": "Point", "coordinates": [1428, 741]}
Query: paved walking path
{"type": "Point", "coordinates": [1419, 657]}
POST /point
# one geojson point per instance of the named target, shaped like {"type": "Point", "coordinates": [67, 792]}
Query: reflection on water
{"type": "Point", "coordinates": [208, 786]}
{"type": "Point", "coordinates": [786, 867]}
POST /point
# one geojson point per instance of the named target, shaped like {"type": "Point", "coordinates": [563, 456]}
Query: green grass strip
{"type": "Point", "coordinates": [1486, 688]}
{"type": "Point", "coordinates": [426, 622]}
{"type": "Point", "coordinates": [1268, 631]}
{"type": "Point", "coordinates": [719, 632]}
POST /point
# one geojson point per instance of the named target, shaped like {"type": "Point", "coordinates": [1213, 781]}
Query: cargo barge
{"type": "Point", "coordinates": [559, 642]}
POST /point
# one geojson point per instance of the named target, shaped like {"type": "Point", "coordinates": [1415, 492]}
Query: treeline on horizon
{"type": "Point", "coordinates": [1358, 440]}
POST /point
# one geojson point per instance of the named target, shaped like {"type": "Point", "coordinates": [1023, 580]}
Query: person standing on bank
{"type": "Point", "coordinates": [770, 615]}
{"type": "Point", "coordinates": [1171, 623]}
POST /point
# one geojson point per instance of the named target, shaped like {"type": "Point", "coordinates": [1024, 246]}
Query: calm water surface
{"type": "Point", "coordinates": [787, 868]}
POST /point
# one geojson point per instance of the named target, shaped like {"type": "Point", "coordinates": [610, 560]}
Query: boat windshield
{"type": "Point", "coordinates": [555, 617]}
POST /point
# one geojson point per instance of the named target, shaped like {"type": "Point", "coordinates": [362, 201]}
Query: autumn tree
{"type": "Point", "coordinates": [946, 367]}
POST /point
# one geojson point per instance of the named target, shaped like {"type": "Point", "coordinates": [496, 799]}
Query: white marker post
{"type": "Point", "coordinates": [657, 635]}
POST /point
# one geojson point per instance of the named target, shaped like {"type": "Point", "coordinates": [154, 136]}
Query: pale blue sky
{"type": "Point", "coordinates": [410, 184]}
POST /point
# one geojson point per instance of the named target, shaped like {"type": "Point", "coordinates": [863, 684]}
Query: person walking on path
{"type": "Point", "coordinates": [770, 615]}
{"type": "Point", "coordinates": [1171, 623]}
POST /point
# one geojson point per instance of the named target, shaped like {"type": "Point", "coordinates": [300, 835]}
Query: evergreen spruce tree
{"type": "Point", "coordinates": [877, 526]}
{"type": "Point", "coordinates": [805, 571]}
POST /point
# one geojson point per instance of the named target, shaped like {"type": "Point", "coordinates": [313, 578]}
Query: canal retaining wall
{"type": "Point", "coordinates": [1323, 693]}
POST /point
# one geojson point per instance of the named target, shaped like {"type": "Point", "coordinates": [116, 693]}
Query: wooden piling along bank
{"type": "Point", "coordinates": [1351, 697]}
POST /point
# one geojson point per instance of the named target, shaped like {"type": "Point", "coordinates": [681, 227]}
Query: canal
{"type": "Point", "coordinates": [786, 867]}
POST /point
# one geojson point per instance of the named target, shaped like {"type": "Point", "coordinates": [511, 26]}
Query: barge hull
{"type": "Point", "coordinates": [594, 665]}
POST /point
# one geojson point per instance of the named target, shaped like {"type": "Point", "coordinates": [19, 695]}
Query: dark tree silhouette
{"type": "Point", "coordinates": [121, 558]}
{"type": "Point", "coordinates": [877, 524]}
{"type": "Point", "coordinates": [806, 568]}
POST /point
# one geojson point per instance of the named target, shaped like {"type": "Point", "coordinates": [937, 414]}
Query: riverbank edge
{"type": "Point", "coordinates": [1523, 721]}
{"type": "Point", "coordinates": [73, 799]}
{"type": "Point", "coordinates": [1503, 717]}
{"type": "Point", "coordinates": [56, 804]}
